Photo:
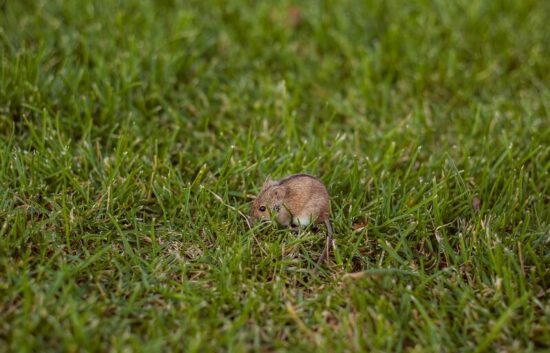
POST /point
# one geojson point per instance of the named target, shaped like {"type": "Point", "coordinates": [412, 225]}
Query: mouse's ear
{"type": "Point", "coordinates": [279, 192]}
{"type": "Point", "coordinates": [268, 183]}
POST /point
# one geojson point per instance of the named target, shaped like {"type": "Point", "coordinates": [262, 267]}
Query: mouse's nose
{"type": "Point", "coordinates": [255, 221]}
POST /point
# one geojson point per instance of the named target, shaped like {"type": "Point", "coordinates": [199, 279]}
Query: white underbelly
{"type": "Point", "coordinates": [302, 221]}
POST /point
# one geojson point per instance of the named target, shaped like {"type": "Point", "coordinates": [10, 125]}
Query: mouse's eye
{"type": "Point", "coordinates": [262, 208]}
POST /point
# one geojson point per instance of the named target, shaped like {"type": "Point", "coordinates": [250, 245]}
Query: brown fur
{"type": "Point", "coordinates": [295, 200]}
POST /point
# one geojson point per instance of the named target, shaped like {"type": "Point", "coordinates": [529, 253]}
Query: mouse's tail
{"type": "Point", "coordinates": [328, 242]}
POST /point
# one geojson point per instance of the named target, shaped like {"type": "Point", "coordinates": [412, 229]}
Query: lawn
{"type": "Point", "coordinates": [134, 135]}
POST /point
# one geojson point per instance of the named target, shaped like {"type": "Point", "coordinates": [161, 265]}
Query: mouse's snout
{"type": "Point", "coordinates": [251, 220]}
{"type": "Point", "coordinates": [254, 219]}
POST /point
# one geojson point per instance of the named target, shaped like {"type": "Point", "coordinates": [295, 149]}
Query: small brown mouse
{"type": "Point", "coordinates": [297, 200]}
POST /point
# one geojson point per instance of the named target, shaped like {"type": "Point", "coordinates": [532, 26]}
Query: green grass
{"type": "Point", "coordinates": [132, 133]}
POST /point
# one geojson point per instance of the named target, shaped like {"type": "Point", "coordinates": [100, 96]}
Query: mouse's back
{"type": "Point", "coordinates": [307, 199]}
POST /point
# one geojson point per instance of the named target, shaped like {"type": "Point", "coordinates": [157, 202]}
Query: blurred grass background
{"type": "Point", "coordinates": [132, 132]}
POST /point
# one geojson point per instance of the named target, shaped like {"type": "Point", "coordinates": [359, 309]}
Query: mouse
{"type": "Point", "coordinates": [297, 200]}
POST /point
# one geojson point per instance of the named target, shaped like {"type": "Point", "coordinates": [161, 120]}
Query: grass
{"type": "Point", "coordinates": [132, 133]}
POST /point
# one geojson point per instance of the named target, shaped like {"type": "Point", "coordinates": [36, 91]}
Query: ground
{"type": "Point", "coordinates": [134, 134]}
